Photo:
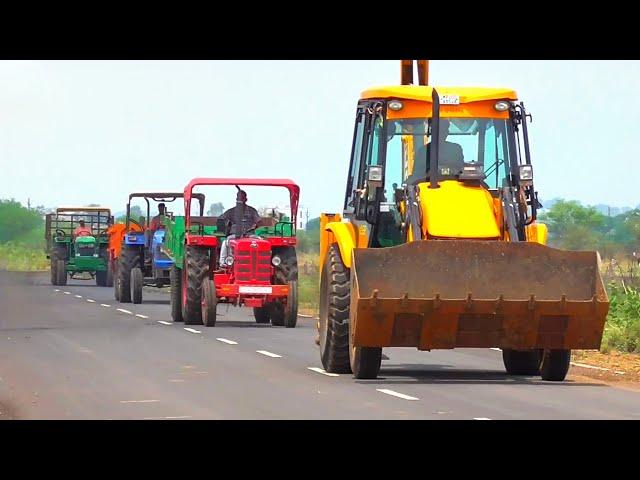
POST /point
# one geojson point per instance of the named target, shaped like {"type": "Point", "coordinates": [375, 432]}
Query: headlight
{"type": "Point", "coordinates": [228, 261]}
{"type": "Point", "coordinates": [501, 106]}
{"type": "Point", "coordinates": [276, 260]}
{"type": "Point", "coordinates": [526, 172]}
{"type": "Point", "coordinates": [395, 105]}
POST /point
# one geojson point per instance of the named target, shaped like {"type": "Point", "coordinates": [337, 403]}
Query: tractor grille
{"type": "Point", "coordinates": [253, 265]}
{"type": "Point", "coordinates": [86, 251]}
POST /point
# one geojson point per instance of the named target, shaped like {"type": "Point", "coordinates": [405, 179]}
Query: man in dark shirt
{"type": "Point", "coordinates": [450, 155]}
{"type": "Point", "coordinates": [243, 218]}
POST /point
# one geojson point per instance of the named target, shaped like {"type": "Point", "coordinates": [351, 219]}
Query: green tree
{"type": "Point", "coordinates": [216, 209]}
{"type": "Point", "coordinates": [573, 226]}
{"type": "Point", "coordinates": [17, 223]}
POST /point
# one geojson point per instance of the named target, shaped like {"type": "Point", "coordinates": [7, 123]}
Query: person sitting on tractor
{"type": "Point", "coordinates": [156, 222]}
{"type": "Point", "coordinates": [82, 230]}
{"type": "Point", "coordinates": [248, 217]}
{"type": "Point", "coordinates": [450, 155]}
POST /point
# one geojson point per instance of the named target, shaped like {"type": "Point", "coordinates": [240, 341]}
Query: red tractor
{"type": "Point", "coordinates": [259, 269]}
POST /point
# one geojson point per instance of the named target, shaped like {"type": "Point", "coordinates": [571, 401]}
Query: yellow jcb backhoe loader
{"type": "Point", "coordinates": [438, 245]}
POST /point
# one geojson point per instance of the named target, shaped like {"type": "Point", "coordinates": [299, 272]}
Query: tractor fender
{"type": "Point", "coordinates": [344, 235]}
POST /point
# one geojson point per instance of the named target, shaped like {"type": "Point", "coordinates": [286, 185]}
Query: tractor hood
{"type": "Point", "coordinates": [458, 210]}
{"type": "Point", "coordinates": [85, 240]}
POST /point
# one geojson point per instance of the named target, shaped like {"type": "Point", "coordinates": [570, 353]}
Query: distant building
{"type": "Point", "coordinates": [302, 216]}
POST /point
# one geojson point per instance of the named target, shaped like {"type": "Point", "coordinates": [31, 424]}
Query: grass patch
{"type": "Point", "coordinates": [308, 283]}
{"type": "Point", "coordinates": [622, 330]}
{"type": "Point", "coordinates": [22, 258]}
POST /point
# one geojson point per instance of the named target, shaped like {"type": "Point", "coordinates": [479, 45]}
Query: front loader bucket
{"type": "Point", "coordinates": [465, 293]}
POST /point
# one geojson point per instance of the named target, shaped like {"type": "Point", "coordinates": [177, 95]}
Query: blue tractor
{"type": "Point", "coordinates": [142, 260]}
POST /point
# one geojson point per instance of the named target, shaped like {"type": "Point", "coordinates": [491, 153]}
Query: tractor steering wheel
{"type": "Point", "coordinates": [103, 232]}
{"type": "Point", "coordinates": [60, 233]}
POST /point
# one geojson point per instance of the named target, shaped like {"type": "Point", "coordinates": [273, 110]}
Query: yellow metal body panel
{"type": "Point", "coordinates": [423, 93]}
{"type": "Point", "coordinates": [537, 232]}
{"type": "Point", "coordinates": [456, 210]}
{"type": "Point", "coordinates": [342, 233]}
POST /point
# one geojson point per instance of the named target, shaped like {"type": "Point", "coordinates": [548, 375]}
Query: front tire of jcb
{"type": "Point", "coordinates": [136, 285]}
{"type": "Point", "coordinates": [365, 361]}
{"type": "Point", "coordinates": [555, 365]}
{"type": "Point", "coordinates": [196, 268]}
{"type": "Point", "coordinates": [61, 272]}
{"type": "Point", "coordinates": [209, 303]}
{"type": "Point", "coordinates": [175, 278]}
{"type": "Point", "coordinates": [518, 362]}
{"type": "Point", "coordinates": [335, 296]}
{"type": "Point", "coordinates": [262, 314]}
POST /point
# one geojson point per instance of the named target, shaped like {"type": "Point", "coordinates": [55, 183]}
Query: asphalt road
{"type": "Point", "coordinates": [69, 353]}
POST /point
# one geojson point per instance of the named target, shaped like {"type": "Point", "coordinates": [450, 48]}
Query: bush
{"type": "Point", "coordinates": [622, 330]}
{"type": "Point", "coordinates": [22, 258]}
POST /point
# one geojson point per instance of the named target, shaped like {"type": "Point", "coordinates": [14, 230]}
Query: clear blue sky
{"type": "Point", "coordinates": [78, 132]}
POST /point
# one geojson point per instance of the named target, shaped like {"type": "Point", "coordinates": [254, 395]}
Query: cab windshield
{"type": "Point", "coordinates": [463, 141]}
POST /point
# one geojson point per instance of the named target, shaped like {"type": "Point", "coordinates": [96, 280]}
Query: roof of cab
{"type": "Point", "coordinates": [423, 93]}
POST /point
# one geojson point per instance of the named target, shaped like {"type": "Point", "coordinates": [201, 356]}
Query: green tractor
{"type": "Point", "coordinates": [77, 243]}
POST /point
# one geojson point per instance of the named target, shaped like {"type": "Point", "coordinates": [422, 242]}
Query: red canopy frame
{"type": "Point", "coordinates": [294, 191]}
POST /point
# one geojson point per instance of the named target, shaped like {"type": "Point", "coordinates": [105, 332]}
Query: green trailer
{"type": "Point", "coordinates": [72, 256]}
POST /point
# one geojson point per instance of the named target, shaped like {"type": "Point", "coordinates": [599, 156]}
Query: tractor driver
{"type": "Point", "coordinates": [82, 230]}
{"type": "Point", "coordinates": [450, 156]}
{"type": "Point", "coordinates": [249, 217]}
{"type": "Point", "coordinates": [156, 222]}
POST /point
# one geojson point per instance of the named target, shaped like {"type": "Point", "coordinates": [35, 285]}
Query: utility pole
{"type": "Point", "coordinates": [28, 204]}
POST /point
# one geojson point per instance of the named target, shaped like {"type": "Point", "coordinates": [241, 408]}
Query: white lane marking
{"type": "Point", "coordinates": [67, 293]}
{"type": "Point", "coordinates": [166, 418]}
{"type": "Point", "coordinates": [619, 373]}
{"type": "Point", "coordinates": [481, 418]}
{"type": "Point", "coordinates": [90, 301]}
{"type": "Point", "coordinates": [496, 349]}
{"type": "Point", "coordinates": [56, 290]}
{"type": "Point", "coordinates": [139, 401]}
{"type": "Point", "coordinates": [319, 370]}
{"type": "Point", "coordinates": [176, 380]}
{"type": "Point", "coordinates": [305, 316]}
{"type": "Point", "coordinates": [269, 354]}
{"type": "Point", "coordinates": [104, 305]}
{"type": "Point", "coordinates": [224, 340]}
{"type": "Point", "coordinates": [583, 365]}
{"type": "Point", "coordinates": [124, 311]}
{"type": "Point", "coordinates": [396, 394]}
{"type": "Point", "coordinates": [141, 316]}
{"type": "Point", "coordinates": [78, 296]}
{"type": "Point", "coordinates": [192, 330]}
{"type": "Point", "coordinates": [164, 323]}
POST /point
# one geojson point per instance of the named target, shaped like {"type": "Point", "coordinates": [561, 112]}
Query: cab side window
{"type": "Point", "coordinates": [356, 159]}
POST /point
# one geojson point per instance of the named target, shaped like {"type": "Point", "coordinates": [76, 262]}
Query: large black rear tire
{"type": "Point", "coordinates": [128, 260]}
{"type": "Point", "coordinates": [54, 275]}
{"type": "Point", "coordinates": [175, 277]}
{"type": "Point", "coordinates": [262, 314]}
{"type": "Point", "coordinates": [101, 278]}
{"type": "Point", "coordinates": [518, 362]}
{"type": "Point", "coordinates": [209, 303]}
{"type": "Point", "coordinates": [116, 283]}
{"type": "Point", "coordinates": [335, 297]}
{"type": "Point", "coordinates": [61, 272]}
{"type": "Point", "coordinates": [136, 285]}
{"type": "Point", "coordinates": [109, 263]}
{"type": "Point", "coordinates": [555, 365]}
{"type": "Point", "coordinates": [195, 271]}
